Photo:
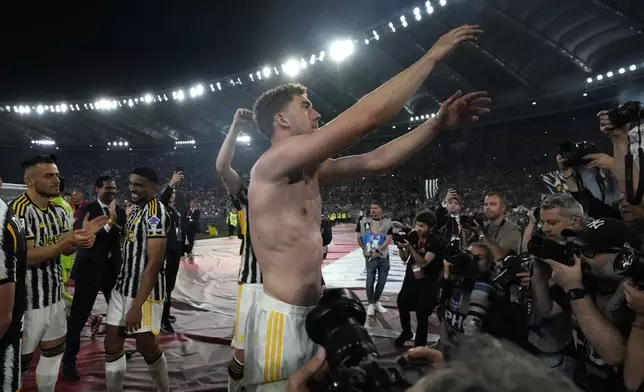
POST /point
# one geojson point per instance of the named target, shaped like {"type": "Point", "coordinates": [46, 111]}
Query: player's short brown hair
{"type": "Point", "coordinates": [273, 101]}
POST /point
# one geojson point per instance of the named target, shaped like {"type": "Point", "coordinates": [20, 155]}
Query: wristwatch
{"type": "Point", "coordinates": [574, 294]}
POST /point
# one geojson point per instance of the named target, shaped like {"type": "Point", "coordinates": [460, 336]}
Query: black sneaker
{"type": "Point", "coordinates": [167, 327]}
{"type": "Point", "coordinates": [70, 372]}
{"type": "Point", "coordinates": [402, 339]}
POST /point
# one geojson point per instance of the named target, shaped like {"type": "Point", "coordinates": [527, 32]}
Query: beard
{"type": "Point", "coordinates": [49, 193]}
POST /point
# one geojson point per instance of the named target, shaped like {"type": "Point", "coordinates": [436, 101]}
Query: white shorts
{"type": "Point", "coordinates": [44, 324]}
{"type": "Point", "coordinates": [247, 295]}
{"type": "Point", "coordinates": [277, 344]}
{"type": "Point", "coordinates": [120, 305]}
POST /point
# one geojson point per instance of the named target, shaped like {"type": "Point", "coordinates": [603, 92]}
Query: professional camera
{"type": "Point", "coordinates": [625, 113]}
{"type": "Point", "coordinates": [574, 153]}
{"type": "Point", "coordinates": [510, 267]}
{"type": "Point", "coordinates": [547, 249]}
{"type": "Point", "coordinates": [354, 363]}
{"type": "Point", "coordinates": [401, 236]}
{"type": "Point", "coordinates": [471, 220]}
{"type": "Point", "coordinates": [462, 263]}
{"type": "Point", "coordinates": [629, 265]}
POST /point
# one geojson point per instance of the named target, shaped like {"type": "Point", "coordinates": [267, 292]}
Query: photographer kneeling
{"type": "Point", "coordinates": [422, 250]}
{"type": "Point", "coordinates": [461, 272]}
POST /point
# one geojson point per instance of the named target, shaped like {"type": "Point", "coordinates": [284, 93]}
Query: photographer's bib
{"type": "Point", "coordinates": [374, 233]}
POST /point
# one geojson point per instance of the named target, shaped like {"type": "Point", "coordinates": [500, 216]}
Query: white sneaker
{"type": "Point", "coordinates": [371, 310]}
{"type": "Point", "coordinates": [380, 308]}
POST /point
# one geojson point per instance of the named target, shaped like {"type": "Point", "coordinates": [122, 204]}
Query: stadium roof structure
{"type": "Point", "coordinates": [536, 57]}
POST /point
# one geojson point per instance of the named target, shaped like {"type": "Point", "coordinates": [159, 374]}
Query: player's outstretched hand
{"type": "Point", "coordinates": [460, 110]}
{"type": "Point", "coordinates": [93, 226]}
{"type": "Point", "coordinates": [448, 42]}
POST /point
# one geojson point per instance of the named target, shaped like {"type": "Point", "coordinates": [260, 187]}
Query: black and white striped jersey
{"type": "Point", "coordinates": [13, 268]}
{"type": "Point", "coordinates": [10, 361]}
{"type": "Point", "coordinates": [249, 271]}
{"type": "Point", "coordinates": [43, 227]}
{"type": "Point", "coordinates": [144, 223]}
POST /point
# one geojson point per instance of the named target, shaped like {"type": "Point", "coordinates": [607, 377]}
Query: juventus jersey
{"type": "Point", "coordinates": [144, 223]}
{"type": "Point", "coordinates": [13, 268]}
{"type": "Point", "coordinates": [249, 271]}
{"type": "Point", "coordinates": [44, 227]}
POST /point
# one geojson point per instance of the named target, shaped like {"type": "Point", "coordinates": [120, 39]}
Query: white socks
{"type": "Point", "coordinates": [47, 372]}
{"type": "Point", "coordinates": [115, 365]}
{"type": "Point", "coordinates": [158, 369]}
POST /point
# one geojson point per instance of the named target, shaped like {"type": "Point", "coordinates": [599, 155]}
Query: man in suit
{"type": "Point", "coordinates": [174, 247]}
{"type": "Point", "coordinates": [192, 226]}
{"type": "Point", "coordinates": [95, 268]}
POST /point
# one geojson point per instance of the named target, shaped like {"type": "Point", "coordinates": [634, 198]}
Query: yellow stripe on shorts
{"type": "Point", "coordinates": [274, 344]}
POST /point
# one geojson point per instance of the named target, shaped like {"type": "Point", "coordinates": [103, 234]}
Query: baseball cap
{"type": "Point", "coordinates": [602, 235]}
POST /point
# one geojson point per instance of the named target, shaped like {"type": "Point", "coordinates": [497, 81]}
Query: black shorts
{"type": "Point", "coordinates": [10, 365]}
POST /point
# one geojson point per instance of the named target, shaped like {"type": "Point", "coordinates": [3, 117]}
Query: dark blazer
{"type": "Point", "coordinates": [192, 221]}
{"type": "Point", "coordinates": [94, 263]}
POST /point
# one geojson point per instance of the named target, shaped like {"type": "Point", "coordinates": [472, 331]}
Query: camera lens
{"type": "Point", "coordinates": [337, 325]}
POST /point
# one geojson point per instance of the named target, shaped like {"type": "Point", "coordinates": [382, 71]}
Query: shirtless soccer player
{"type": "Point", "coordinates": [285, 205]}
{"type": "Point", "coordinates": [250, 278]}
{"type": "Point", "coordinates": [49, 235]}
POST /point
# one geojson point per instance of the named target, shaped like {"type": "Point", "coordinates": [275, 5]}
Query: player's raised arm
{"type": "Point", "coordinates": [228, 176]}
{"type": "Point", "coordinates": [309, 149]}
{"type": "Point", "coordinates": [455, 111]}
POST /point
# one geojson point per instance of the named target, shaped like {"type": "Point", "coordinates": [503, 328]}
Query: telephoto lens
{"type": "Point", "coordinates": [354, 363]}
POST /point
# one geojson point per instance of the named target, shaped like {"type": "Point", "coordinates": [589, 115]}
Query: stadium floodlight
{"type": "Point", "coordinates": [259, 75]}
{"type": "Point", "coordinates": [632, 67]}
{"type": "Point", "coordinates": [375, 35]}
{"type": "Point", "coordinates": [312, 61]}
{"type": "Point", "coordinates": [193, 92]}
{"type": "Point", "coordinates": [267, 71]}
{"type": "Point", "coordinates": [148, 98]}
{"type": "Point", "coordinates": [63, 107]}
{"type": "Point", "coordinates": [200, 89]}
{"type": "Point", "coordinates": [534, 103]}
{"type": "Point", "coordinates": [589, 80]}
{"type": "Point", "coordinates": [180, 95]}
{"type": "Point", "coordinates": [341, 49]}
{"type": "Point", "coordinates": [430, 9]}
{"type": "Point", "coordinates": [322, 54]}
{"type": "Point", "coordinates": [130, 103]}
{"type": "Point", "coordinates": [40, 109]}
{"type": "Point", "coordinates": [621, 71]}
{"type": "Point", "coordinates": [219, 86]}
{"type": "Point", "coordinates": [443, 3]}
{"type": "Point", "coordinates": [391, 26]}
{"type": "Point", "coordinates": [291, 67]}
{"type": "Point", "coordinates": [610, 74]}
{"type": "Point", "coordinates": [600, 77]}
{"type": "Point", "coordinates": [366, 41]}
{"type": "Point", "coordinates": [212, 88]}
{"type": "Point", "coordinates": [125, 144]}
{"type": "Point", "coordinates": [43, 142]}
{"type": "Point", "coordinates": [243, 139]}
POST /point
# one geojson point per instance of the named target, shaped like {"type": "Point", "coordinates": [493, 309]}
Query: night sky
{"type": "Point", "coordinates": [71, 50]}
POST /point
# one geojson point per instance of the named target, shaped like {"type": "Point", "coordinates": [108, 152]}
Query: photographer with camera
{"type": "Point", "coordinates": [620, 125]}
{"type": "Point", "coordinates": [423, 252]}
{"type": "Point", "coordinates": [461, 271]}
{"type": "Point", "coordinates": [550, 329]}
{"type": "Point", "coordinates": [570, 165]}
{"type": "Point", "coordinates": [499, 234]}
{"type": "Point", "coordinates": [601, 318]}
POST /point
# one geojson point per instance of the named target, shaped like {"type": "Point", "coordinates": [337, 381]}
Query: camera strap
{"type": "Point", "coordinates": [633, 197]}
